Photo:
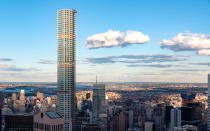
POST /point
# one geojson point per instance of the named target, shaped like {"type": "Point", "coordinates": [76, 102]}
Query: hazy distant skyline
{"type": "Point", "coordinates": [131, 41]}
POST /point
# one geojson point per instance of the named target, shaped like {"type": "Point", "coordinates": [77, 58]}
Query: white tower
{"type": "Point", "coordinates": [175, 118]}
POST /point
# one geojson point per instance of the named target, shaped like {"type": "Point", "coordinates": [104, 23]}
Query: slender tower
{"type": "Point", "coordinates": [66, 68]}
{"type": "Point", "coordinates": [99, 105]}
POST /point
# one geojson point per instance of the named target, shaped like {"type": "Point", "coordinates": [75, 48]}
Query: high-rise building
{"type": "Point", "coordinates": [168, 115]}
{"type": "Point", "coordinates": [22, 96]}
{"type": "Point", "coordinates": [18, 122]}
{"type": "Point", "coordinates": [66, 67]}
{"type": "Point", "coordinates": [98, 101]}
{"type": "Point", "coordinates": [159, 117]}
{"type": "Point", "coordinates": [130, 119]}
{"type": "Point", "coordinates": [99, 106]}
{"type": "Point", "coordinates": [14, 96]}
{"type": "Point", "coordinates": [40, 96]}
{"type": "Point", "coordinates": [149, 126]}
{"type": "Point", "coordinates": [22, 101]}
{"type": "Point", "coordinates": [120, 121]}
{"type": "Point", "coordinates": [209, 102]}
{"type": "Point", "coordinates": [175, 118]}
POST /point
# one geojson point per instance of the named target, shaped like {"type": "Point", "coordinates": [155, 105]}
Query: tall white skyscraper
{"type": "Point", "coordinates": [208, 102]}
{"type": "Point", "coordinates": [66, 68]}
{"type": "Point", "coordinates": [175, 118]}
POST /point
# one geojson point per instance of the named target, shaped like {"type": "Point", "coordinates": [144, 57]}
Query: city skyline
{"type": "Point", "coordinates": [142, 45]}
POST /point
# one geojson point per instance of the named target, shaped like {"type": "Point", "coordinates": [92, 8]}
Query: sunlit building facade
{"type": "Point", "coordinates": [66, 68]}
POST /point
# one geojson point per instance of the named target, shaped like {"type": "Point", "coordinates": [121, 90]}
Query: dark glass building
{"type": "Point", "coordinates": [19, 122]}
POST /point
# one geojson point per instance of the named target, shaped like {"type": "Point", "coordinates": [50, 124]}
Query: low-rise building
{"type": "Point", "coordinates": [48, 121]}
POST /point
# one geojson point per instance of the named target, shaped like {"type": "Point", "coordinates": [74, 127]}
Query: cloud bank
{"type": "Point", "coordinates": [45, 61]}
{"type": "Point", "coordinates": [153, 65]}
{"type": "Point", "coordinates": [134, 59]}
{"type": "Point", "coordinates": [9, 67]}
{"type": "Point", "coordinates": [113, 38]}
{"type": "Point", "coordinates": [202, 63]}
{"type": "Point", "coordinates": [188, 42]}
{"type": "Point", "coordinates": [5, 59]}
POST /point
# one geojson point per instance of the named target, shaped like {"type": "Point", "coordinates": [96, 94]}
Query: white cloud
{"type": "Point", "coordinates": [205, 52]}
{"type": "Point", "coordinates": [45, 61]}
{"type": "Point", "coordinates": [116, 38]}
{"type": "Point", "coordinates": [188, 42]}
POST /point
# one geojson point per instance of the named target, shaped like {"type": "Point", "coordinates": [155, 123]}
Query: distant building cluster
{"type": "Point", "coordinates": [129, 111]}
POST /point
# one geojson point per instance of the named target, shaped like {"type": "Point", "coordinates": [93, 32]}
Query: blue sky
{"type": "Point", "coordinates": [28, 46]}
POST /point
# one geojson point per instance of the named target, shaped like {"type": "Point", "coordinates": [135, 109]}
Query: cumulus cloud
{"type": "Point", "coordinates": [188, 42]}
{"type": "Point", "coordinates": [45, 61]}
{"type": "Point", "coordinates": [128, 59]}
{"type": "Point", "coordinates": [113, 38]}
{"type": "Point", "coordinates": [5, 59]}
{"type": "Point", "coordinates": [9, 67]}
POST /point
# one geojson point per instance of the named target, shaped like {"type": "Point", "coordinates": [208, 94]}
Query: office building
{"type": "Point", "coordinates": [159, 117]}
{"type": "Point", "coordinates": [40, 96]}
{"type": "Point", "coordinates": [22, 96]}
{"type": "Point", "coordinates": [14, 96]}
{"type": "Point", "coordinates": [98, 101]}
{"type": "Point", "coordinates": [175, 118]}
{"type": "Point", "coordinates": [19, 104]}
{"type": "Point", "coordinates": [19, 122]}
{"type": "Point", "coordinates": [48, 121]}
{"type": "Point", "coordinates": [192, 114]}
{"type": "Point", "coordinates": [149, 126]}
{"type": "Point", "coordinates": [66, 68]}
{"type": "Point", "coordinates": [119, 121]}
{"type": "Point", "coordinates": [168, 115]}
{"type": "Point", "coordinates": [91, 127]}
{"type": "Point", "coordinates": [130, 119]}
{"type": "Point", "coordinates": [99, 106]}
{"type": "Point", "coordinates": [1, 106]}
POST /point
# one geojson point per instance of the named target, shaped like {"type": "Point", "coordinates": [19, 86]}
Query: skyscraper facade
{"type": "Point", "coordinates": [98, 101]}
{"type": "Point", "coordinates": [175, 118]}
{"type": "Point", "coordinates": [99, 106]}
{"type": "Point", "coordinates": [66, 67]}
{"type": "Point", "coordinates": [130, 119]}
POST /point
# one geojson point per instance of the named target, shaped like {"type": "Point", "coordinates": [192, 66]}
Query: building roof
{"type": "Point", "coordinates": [53, 115]}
